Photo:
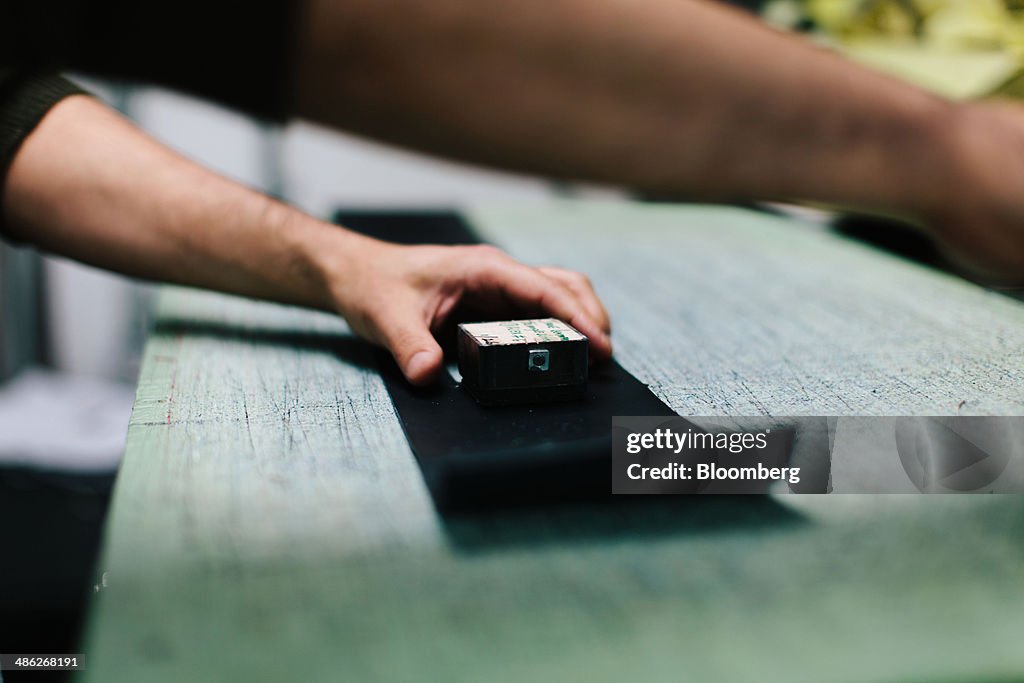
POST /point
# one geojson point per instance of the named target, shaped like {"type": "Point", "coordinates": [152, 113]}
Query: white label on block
{"type": "Point", "coordinates": [542, 331]}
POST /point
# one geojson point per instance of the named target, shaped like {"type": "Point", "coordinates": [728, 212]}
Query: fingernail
{"type": "Point", "coordinates": [419, 364]}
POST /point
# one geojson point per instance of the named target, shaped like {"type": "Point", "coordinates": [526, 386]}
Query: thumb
{"type": "Point", "coordinates": [413, 346]}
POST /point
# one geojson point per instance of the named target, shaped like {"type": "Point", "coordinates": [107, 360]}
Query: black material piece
{"type": "Point", "coordinates": [410, 227]}
{"type": "Point", "coordinates": [891, 235]}
{"type": "Point", "coordinates": [50, 529]}
{"type": "Point", "coordinates": [476, 457]}
{"type": "Point", "coordinates": [523, 361]}
{"type": "Point", "coordinates": [904, 240]}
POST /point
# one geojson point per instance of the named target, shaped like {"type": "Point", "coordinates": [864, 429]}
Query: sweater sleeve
{"type": "Point", "coordinates": [236, 52]}
{"type": "Point", "coordinates": [25, 97]}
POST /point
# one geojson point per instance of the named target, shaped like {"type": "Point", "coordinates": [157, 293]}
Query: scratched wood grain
{"type": "Point", "coordinates": [270, 523]}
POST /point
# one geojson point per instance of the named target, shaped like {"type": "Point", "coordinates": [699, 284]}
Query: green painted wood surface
{"type": "Point", "coordinates": [270, 522]}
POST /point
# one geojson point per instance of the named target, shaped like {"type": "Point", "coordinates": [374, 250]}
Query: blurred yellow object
{"type": "Point", "coordinates": [958, 48]}
{"type": "Point", "coordinates": [957, 75]}
{"type": "Point", "coordinates": [963, 23]}
{"type": "Point", "coordinates": [974, 24]}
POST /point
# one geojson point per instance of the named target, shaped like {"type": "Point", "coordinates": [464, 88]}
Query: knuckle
{"type": "Point", "coordinates": [559, 297]}
{"type": "Point", "coordinates": [482, 259]}
{"type": "Point", "coordinates": [485, 251]}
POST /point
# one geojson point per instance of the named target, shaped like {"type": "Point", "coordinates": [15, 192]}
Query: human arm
{"type": "Point", "coordinates": [684, 96]}
{"type": "Point", "coordinates": [88, 185]}
{"type": "Point", "coordinates": [687, 97]}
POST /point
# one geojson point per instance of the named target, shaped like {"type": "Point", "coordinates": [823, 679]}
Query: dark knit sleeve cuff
{"type": "Point", "coordinates": [24, 101]}
{"type": "Point", "coordinates": [25, 98]}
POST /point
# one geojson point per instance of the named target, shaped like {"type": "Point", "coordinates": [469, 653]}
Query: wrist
{"type": "Point", "coordinates": [979, 148]}
{"type": "Point", "coordinates": [935, 168]}
{"type": "Point", "coordinates": [893, 158]}
{"type": "Point", "coordinates": [907, 167]}
{"type": "Point", "coordinates": [337, 259]}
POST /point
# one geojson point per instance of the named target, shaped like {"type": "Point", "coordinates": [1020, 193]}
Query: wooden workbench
{"type": "Point", "coordinates": [270, 521]}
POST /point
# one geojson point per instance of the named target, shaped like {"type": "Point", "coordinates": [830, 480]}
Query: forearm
{"type": "Point", "coordinates": [88, 185]}
{"type": "Point", "coordinates": [677, 95]}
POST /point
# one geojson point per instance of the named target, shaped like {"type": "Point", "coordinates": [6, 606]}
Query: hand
{"type": "Point", "coordinates": [979, 214]}
{"type": "Point", "coordinates": [400, 296]}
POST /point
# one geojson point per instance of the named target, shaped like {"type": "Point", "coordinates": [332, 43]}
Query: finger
{"type": "Point", "coordinates": [528, 286]}
{"type": "Point", "coordinates": [580, 285]}
{"type": "Point", "coordinates": [403, 330]}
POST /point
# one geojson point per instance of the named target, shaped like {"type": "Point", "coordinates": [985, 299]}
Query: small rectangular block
{"type": "Point", "coordinates": [523, 361]}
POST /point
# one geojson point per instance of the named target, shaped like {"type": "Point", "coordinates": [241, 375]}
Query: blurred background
{"type": "Point", "coordinates": [71, 336]}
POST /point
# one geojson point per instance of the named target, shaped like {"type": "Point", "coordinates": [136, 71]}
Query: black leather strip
{"type": "Point", "coordinates": [474, 457]}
